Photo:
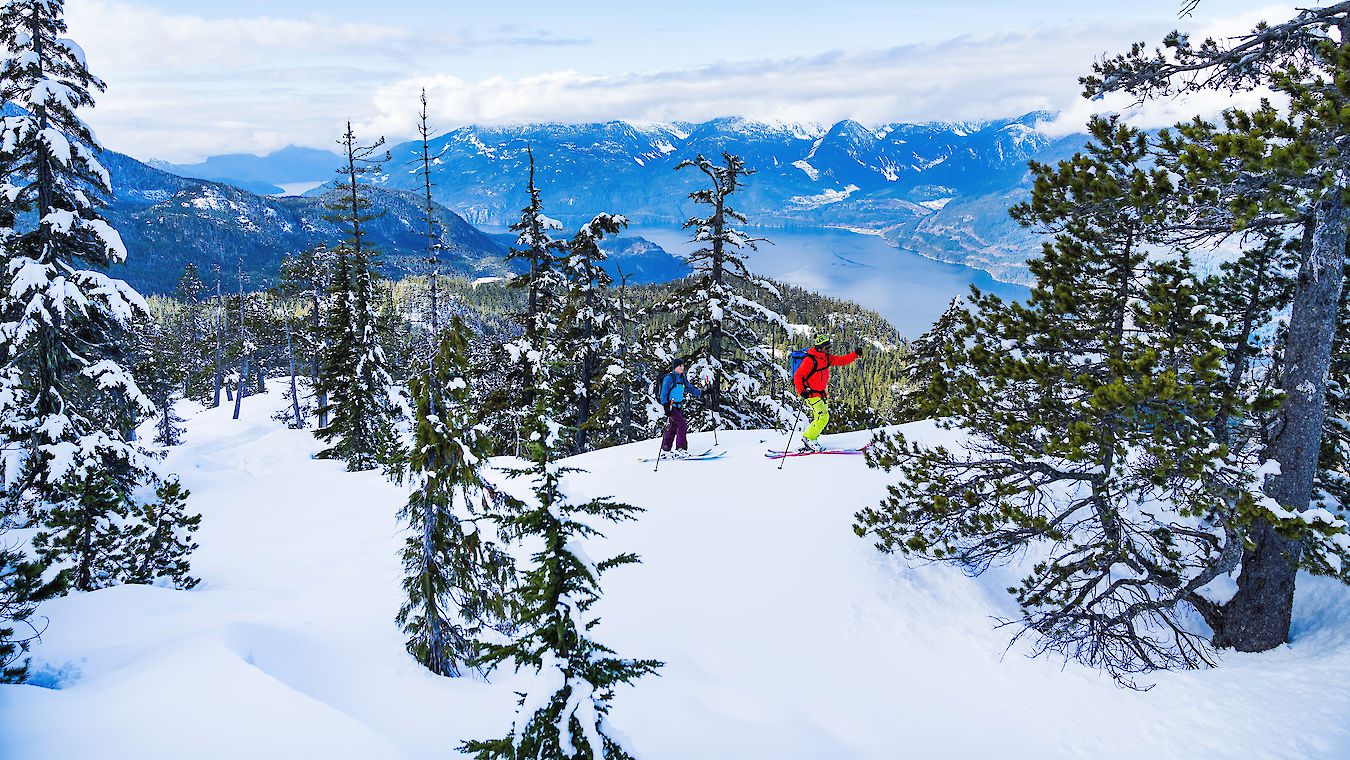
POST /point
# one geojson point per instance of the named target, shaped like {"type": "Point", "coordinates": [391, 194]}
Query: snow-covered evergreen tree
{"type": "Point", "coordinates": [926, 374]}
{"type": "Point", "coordinates": [564, 715]}
{"type": "Point", "coordinates": [1090, 409]}
{"type": "Point", "coordinates": [69, 400]}
{"type": "Point", "coordinates": [456, 576]}
{"type": "Point", "coordinates": [86, 526]}
{"type": "Point", "coordinates": [545, 286]}
{"type": "Point", "coordinates": [355, 376]}
{"type": "Point", "coordinates": [717, 323]}
{"type": "Point", "coordinates": [23, 585]}
{"type": "Point", "coordinates": [161, 539]}
{"type": "Point", "coordinates": [164, 363]}
{"type": "Point", "coordinates": [588, 336]}
{"type": "Point", "coordinates": [193, 328]}
{"type": "Point", "coordinates": [510, 396]}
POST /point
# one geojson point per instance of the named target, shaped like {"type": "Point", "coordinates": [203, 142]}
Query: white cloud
{"type": "Point", "coordinates": [963, 78]}
{"type": "Point", "coordinates": [182, 87]}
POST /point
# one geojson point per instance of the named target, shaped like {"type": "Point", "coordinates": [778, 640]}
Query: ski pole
{"type": "Point", "coordinates": [788, 447]}
{"type": "Point", "coordinates": [661, 441]}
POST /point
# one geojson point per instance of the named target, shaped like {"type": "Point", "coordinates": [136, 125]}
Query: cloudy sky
{"type": "Point", "coordinates": [188, 79]}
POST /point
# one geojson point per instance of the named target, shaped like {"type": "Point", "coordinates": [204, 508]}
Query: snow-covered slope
{"type": "Point", "coordinates": [784, 635]}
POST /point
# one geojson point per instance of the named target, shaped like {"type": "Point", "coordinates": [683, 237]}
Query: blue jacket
{"type": "Point", "coordinates": [673, 386]}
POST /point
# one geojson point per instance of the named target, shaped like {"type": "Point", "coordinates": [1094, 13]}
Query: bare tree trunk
{"type": "Point", "coordinates": [1257, 618]}
{"type": "Point", "coordinates": [241, 388]}
{"type": "Point", "coordinates": [220, 340]}
{"type": "Point", "coordinates": [290, 354]}
{"type": "Point", "coordinates": [322, 400]}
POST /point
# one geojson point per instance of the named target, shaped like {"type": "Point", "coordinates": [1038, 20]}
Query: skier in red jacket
{"type": "Point", "coordinates": [811, 380]}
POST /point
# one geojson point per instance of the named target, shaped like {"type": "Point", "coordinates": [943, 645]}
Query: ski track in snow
{"type": "Point", "coordinates": [785, 636]}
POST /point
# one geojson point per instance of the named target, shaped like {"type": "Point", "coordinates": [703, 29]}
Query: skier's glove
{"type": "Point", "coordinates": [667, 408]}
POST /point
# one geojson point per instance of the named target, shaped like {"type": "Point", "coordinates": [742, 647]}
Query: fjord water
{"type": "Point", "coordinates": [908, 289]}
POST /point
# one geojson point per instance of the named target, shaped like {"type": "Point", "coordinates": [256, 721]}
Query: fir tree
{"type": "Point", "coordinates": [1090, 410]}
{"type": "Point", "coordinates": [628, 426]}
{"type": "Point", "coordinates": [161, 541]}
{"type": "Point", "coordinates": [719, 322]}
{"type": "Point", "coordinates": [86, 526]}
{"type": "Point", "coordinates": [545, 287]}
{"type": "Point", "coordinates": [23, 586]}
{"type": "Point", "coordinates": [456, 576]}
{"type": "Point", "coordinates": [925, 377]}
{"type": "Point", "coordinates": [69, 403]}
{"type": "Point", "coordinates": [588, 338]}
{"type": "Point", "coordinates": [510, 394]}
{"type": "Point", "coordinates": [163, 364]}
{"type": "Point", "coordinates": [1297, 150]}
{"type": "Point", "coordinates": [355, 376]}
{"type": "Point", "coordinates": [564, 716]}
{"type": "Point", "coordinates": [192, 330]}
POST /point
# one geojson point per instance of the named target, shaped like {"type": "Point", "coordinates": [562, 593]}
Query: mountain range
{"type": "Point", "coordinates": [939, 189]}
{"type": "Point", "coordinates": [167, 221]}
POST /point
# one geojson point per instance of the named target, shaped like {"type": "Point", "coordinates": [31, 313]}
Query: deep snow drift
{"type": "Point", "coordinates": [784, 635]}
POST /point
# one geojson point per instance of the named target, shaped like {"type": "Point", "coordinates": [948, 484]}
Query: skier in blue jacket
{"type": "Point", "coordinates": [674, 387]}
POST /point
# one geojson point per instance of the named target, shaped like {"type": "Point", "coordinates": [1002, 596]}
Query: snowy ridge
{"type": "Point", "coordinates": [785, 636]}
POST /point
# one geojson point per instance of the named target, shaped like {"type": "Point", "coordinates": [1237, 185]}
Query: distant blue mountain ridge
{"type": "Point", "coordinates": [940, 189]}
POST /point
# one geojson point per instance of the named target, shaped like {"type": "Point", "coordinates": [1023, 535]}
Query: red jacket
{"type": "Point", "coordinates": [813, 374]}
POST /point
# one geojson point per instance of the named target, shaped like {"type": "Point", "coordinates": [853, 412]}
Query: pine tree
{"type": "Point", "coordinates": [456, 576]}
{"type": "Point", "coordinates": [163, 364]}
{"type": "Point", "coordinates": [1300, 151]}
{"type": "Point", "coordinates": [630, 422]}
{"type": "Point", "coordinates": [564, 717]}
{"type": "Point", "coordinates": [23, 586]}
{"type": "Point", "coordinates": [86, 527]}
{"type": "Point", "coordinates": [69, 403]}
{"type": "Point", "coordinates": [161, 540]}
{"type": "Point", "coordinates": [355, 376]}
{"type": "Point", "coordinates": [588, 338]}
{"type": "Point", "coordinates": [1090, 410]}
{"type": "Point", "coordinates": [718, 322]}
{"type": "Point", "coordinates": [509, 395]}
{"type": "Point", "coordinates": [925, 377]}
{"type": "Point", "coordinates": [195, 351]}
{"type": "Point", "coordinates": [545, 287]}
{"type": "Point", "coordinates": [218, 317]}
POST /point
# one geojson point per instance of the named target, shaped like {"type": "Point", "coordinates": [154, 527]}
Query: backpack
{"type": "Point", "coordinates": [795, 360]}
{"type": "Point", "coordinates": [660, 381]}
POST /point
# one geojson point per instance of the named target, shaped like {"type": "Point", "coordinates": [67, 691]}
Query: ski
{"type": "Point", "coordinates": [772, 454]}
{"type": "Point", "coordinates": [705, 456]}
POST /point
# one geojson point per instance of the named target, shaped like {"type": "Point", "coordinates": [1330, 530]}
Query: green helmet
{"type": "Point", "coordinates": [822, 341]}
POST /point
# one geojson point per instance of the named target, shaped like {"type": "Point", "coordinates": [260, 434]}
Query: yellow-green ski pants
{"type": "Point", "coordinates": [820, 417]}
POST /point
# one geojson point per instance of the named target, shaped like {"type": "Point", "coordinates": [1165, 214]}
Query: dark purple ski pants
{"type": "Point", "coordinates": [676, 429]}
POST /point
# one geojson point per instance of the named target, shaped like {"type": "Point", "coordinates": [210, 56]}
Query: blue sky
{"type": "Point", "coordinates": [190, 79]}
